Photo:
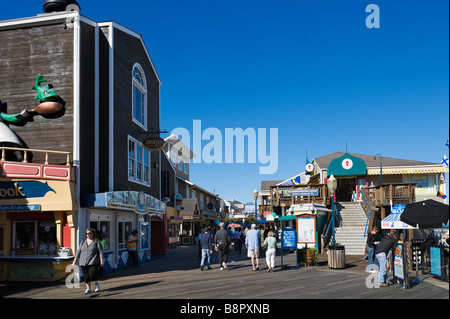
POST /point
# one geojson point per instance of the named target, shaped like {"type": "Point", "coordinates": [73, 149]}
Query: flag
{"type": "Point", "coordinates": [446, 144]}
{"type": "Point", "coordinates": [442, 178]}
{"type": "Point", "coordinates": [441, 195]}
{"type": "Point", "coordinates": [444, 161]}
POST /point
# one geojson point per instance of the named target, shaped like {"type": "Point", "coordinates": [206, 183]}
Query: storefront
{"type": "Point", "coordinates": [37, 219]}
{"type": "Point", "coordinates": [350, 172]}
{"type": "Point", "coordinates": [116, 214]}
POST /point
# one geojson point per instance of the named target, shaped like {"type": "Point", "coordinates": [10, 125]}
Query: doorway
{"type": "Point", "coordinates": [345, 189]}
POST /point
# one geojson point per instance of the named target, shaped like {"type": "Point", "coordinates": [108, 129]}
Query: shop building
{"type": "Point", "coordinates": [356, 172]}
{"type": "Point", "coordinates": [195, 206]}
{"type": "Point", "coordinates": [112, 181]}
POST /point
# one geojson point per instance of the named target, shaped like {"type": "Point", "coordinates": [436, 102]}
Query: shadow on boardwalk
{"type": "Point", "coordinates": [177, 276]}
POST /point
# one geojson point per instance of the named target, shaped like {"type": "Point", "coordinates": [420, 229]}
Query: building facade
{"type": "Point", "coordinates": [88, 165]}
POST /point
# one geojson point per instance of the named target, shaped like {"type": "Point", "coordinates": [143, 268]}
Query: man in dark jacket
{"type": "Point", "coordinates": [383, 249]}
{"type": "Point", "coordinates": [222, 242]}
{"type": "Point", "coordinates": [206, 246]}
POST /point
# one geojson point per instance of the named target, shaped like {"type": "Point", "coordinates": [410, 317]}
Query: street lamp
{"type": "Point", "coordinates": [332, 185]}
{"type": "Point", "coordinates": [381, 167]}
{"type": "Point", "coordinates": [255, 197]}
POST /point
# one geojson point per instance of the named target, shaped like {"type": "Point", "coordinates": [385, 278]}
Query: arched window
{"type": "Point", "coordinates": [139, 96]}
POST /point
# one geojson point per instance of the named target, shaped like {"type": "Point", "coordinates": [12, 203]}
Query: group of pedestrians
{"type": "Point", "coordinates": [221, 242]}
{"type": "Point", "coordinates": [378, 252]}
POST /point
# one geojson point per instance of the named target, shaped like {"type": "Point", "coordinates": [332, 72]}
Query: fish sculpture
{"type": "Point", "coordinates": [45, 94]}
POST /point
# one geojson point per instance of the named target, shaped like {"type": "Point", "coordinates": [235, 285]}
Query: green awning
{"type": "Point", "coordinates": [288, 217]}
{"type": "Point", "coordinates": [347, 165]}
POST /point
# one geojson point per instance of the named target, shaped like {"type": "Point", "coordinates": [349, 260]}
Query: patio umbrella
{"type": "Point", "coordinates": [393, 220]}
{"type": "Point", "coordinates": [425, 214]}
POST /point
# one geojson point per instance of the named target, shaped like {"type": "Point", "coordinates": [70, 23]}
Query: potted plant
{"type": "Point", "coordinates": [308, 257]}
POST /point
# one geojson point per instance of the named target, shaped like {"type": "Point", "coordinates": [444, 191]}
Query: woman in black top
{"type": "Point", "coordinates": [372, 246]}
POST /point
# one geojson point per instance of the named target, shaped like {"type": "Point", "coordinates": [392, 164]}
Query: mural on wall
{"type": "Point", "coordinates": [51, 105]}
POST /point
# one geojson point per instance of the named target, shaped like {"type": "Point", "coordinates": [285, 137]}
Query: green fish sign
{"type": "Point", "coordinates": [45, 94]}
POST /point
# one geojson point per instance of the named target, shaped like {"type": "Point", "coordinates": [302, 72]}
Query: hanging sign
{"type": "Point", "coordinates": [154, 144]}
{"type": "Point", "coordinates": [309, 167]}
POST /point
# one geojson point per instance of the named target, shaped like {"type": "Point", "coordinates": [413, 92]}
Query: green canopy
{"type": "Point", "coordinates": [288, 217]}
{"type": "Point", "coordinates": [347, 165]}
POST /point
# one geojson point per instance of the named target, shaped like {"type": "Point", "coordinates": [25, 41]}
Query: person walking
{"type": "Point", "coordinates": [270, 243]}
{"type": "Point", "coordinates": [371, 248]}
{"type": "Point", "coordinates": [252, 243]}
{"type": "Point", "coordinates": [239, 238]}
{"type": "Point", "coordinates": [383, 249]}
{"type": "Point", "coordinates": [89, 257]}
{"type": "Point", "coordinates": [132, 247]}
{"type": "Point", "coordinates": [222, 243]}
{"type": "Point", "coordinates": [206, 246]}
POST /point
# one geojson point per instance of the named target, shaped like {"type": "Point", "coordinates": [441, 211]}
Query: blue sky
{"type": "Point", "coordinates": [310, 68]}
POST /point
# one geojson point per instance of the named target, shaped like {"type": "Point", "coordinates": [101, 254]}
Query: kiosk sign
{"type": "Point", "coordinates": [398, 262]}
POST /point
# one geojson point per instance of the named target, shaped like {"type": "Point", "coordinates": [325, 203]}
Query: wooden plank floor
{"type": "Point", "coordinates": [177, 276]}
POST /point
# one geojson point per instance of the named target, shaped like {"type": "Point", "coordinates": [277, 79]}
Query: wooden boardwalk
{"type": "Point", "coordinates": [177, 276]}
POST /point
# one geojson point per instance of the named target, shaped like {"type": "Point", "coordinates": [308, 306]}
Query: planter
{"type": "Point", "coordinates": [308, 257]}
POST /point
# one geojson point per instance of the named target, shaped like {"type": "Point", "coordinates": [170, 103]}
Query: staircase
{"type": "Point", "coordinates": [351, 232]}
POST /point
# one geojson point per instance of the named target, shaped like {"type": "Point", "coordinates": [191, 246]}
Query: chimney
{"type": "Point", "coordinates": [60, 5]}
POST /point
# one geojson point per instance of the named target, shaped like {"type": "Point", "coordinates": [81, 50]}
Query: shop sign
{"type": "Point", "coordinates": [309, 167]}
{"type": "Point", "coordinates": [347, 163]}
{"type": "Point", "coordinates": [18, 208]}
{"type": "Point", "coordinates": [154, 144]}
{"type": "Point", "coordinates": [29, 189]}
{"type": "Point", "coordinates": [302, 192]}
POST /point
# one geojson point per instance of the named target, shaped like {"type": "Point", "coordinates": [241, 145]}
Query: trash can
{"type": "Point", "coordinates": [336, 256]}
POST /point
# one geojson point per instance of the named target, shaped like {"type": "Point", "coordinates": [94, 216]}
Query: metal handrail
{"type": "Point", "coordinates": [336, 214]}
{"type": "Point", "coordinates": [368, 215]}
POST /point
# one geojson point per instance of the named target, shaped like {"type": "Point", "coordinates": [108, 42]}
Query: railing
{"type": "Point", "coordinates": [367, 209]}
{"type": "Point", "coordinates": [279, 197]}
{"type": "Point", "coordinates": [26, 150]}
{"type": "Point", "coordinates": [40, 167]}
{"type": "Point", "coordinates": [327, 236]}
{"type": "Point", "coordinates": [391, 194]}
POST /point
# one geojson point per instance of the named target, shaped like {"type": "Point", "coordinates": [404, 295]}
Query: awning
{"type": "Point", "coordinates": [288, 217]}
{"type": "Point", "coordinates": [209, 215]}
{"type": "Point", "coordinates": [189, 209]}
{"type": "Point", "coordinates": [347, 165]}
{"type": "Point", "coordinates": [407, 170]}
{"type": "Point", "coordinates": [139, 202]}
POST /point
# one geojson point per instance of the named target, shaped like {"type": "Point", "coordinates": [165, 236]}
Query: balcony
{"type": "Point", "coordinates": [391, 194]}
{"type": "Point", "coordinates": [42, 168]}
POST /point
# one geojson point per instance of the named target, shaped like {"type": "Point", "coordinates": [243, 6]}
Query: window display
{"type": "Point", "coordinates": [35, 238]}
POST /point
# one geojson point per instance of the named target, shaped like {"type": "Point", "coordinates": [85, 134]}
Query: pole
{"type": "Point", "coordinates": [296, 250]}
{"type": "Point", "coordinates": [333, 207]}
{"type": "Point", "coordinates": [282, 236]}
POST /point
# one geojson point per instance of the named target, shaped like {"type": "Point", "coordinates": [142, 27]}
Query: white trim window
{"type": "Point", "coordinates": [139, 168]}
{"type": "Point", "coordinates": [139, 89]}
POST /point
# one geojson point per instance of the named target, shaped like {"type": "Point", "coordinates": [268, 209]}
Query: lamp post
{"type": "Point", "coordinates": [332, 185]}
{"type": "Point", "coordinates": [381, 167]}
{"type": "Point", "coordinates": [255, 197]}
